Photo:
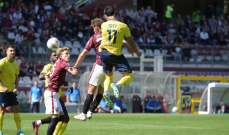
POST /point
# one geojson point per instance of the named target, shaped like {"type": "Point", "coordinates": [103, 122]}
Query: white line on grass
{"type": "Point", "coordinates": [161, 126]}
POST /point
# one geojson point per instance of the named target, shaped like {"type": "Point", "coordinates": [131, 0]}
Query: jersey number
{"type": "Point", "coordinates": [52, 70]}
{"type": "Point", "coordinates": [115, 35]}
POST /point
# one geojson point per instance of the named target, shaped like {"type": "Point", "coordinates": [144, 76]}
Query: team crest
{"type": "Point", "coordinates": [57, 109]}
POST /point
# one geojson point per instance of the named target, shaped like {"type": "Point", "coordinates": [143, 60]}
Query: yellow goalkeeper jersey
{"type": "Point", "coordinates": [113, 33]}
{"type": "Point", "coordinates": [46, 69]}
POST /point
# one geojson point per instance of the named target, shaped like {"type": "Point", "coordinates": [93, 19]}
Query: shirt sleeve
{"type": "Point", "coordinates": [31, 90]}
{"type": "Point", "coordinates": [148, 105]}
{"type": "Point", "coordinates": [45, 69]}
{"type": "Point", "coordinates": [89, 44]}
{"type": "Point", "coordinates": [17, 69]}
{"type": "Point", "coordinates": [1, 65]}
{"type": "Point", "coordinates": [41, 92]}
{"type": "Point", "coordinates": [68, 93]}
{"type": "Point", "coordinates": [158, 105]}
{"type": "Point", "coordinates": [127, 32]}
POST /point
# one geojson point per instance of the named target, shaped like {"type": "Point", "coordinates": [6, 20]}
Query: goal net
{"type": "Point", "coordinates": [214, 94]}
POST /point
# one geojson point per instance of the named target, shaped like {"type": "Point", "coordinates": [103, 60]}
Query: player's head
{"type": "Point", "coordinates": [10, 53]}
{"type": "Point", "coordinates": [35, 83]}
{"type": "Point", "coordinates": [108, 11]}
{"type": "Point", "coordinates": [52, 56]}
{"type": "Point", "coordinates": [96, 24]}
{"type": "Point", "coordinates": [74, 85]}
{"type": "Point", "coordinates": [63, 53]}
{"type": "Point", "coordinates": [154, 98]}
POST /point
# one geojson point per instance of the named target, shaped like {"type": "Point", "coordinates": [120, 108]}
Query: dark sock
{"type": "Point", "coordinates": [96, 102]}
{"type": "Point", "coordinates": [62, 118]}
{"type": "Point", "coordinates": [46, 120]}
{"type": "Point", "coordinates": [87, 103]}
{"type": "Point", "coordinates": [52, 126]}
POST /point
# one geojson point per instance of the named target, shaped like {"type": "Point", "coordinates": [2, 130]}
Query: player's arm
{"type": "Point", "coordinates": [81, 57]}
{"type": "Point", "coordinates": [125, 44]}
{"type": "Point", "coordinates": [47, 77]}
{"type": "Point", "coordinates": [42, 76]}
{"type": "Point", "coordinates": [73, 71]}
{"type": "Point", "coordinates": [3, 87]}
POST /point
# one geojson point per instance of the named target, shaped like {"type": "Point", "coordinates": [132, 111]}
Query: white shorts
{"type": "Point", "coordinates": [52, 103]}
{"type": "Point", "coordinates": [97, 76]}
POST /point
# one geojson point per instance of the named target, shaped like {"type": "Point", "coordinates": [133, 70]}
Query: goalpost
{"type": "Point", "coordinates": [215, 93]}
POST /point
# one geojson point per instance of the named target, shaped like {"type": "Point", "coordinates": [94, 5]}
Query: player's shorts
{"type": "Point", "coordinates": [52, 102]}
{"type": "Point", "coordinates": [8, 99]}
{"type": "Point", "coordinates": [118, 61]}
{"type": "Point", "coordinates": [97, 76]}
{"type": "Point", "coordinates": [63, 106]}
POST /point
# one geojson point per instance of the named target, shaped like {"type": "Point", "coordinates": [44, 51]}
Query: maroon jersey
{"type": "Point", "coordinates": [57, 75]}
{"type": "Point", "coordinates": [95, 41]}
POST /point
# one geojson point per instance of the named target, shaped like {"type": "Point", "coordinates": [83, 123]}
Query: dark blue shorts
{"type": "Point", "coordinates": [8, 99]}
{"type": "Point", "coordinates": [63, 106]}
{"type": "Point", "coordinates": [118, 61]}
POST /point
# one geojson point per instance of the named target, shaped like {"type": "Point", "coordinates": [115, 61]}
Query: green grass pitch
{"type": "Point", "coordinates": [130, 124]}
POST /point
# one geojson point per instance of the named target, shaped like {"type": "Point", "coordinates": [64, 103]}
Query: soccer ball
{"type": "Point", "coordinates": [53, 44]}
{"type": "Point", "coordinates": [175, 109]}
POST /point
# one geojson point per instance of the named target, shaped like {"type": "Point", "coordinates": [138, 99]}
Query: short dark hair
{"type": "Point", "coordinates": [109, 11]}
{"type": "Point", "coordinates": [10, 46]}
{"type": "Point", "coordinates": [49, 55]}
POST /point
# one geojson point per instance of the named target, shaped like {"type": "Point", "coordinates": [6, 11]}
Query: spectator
{"type": "Point", "coordinates": [149, 17]}
{"type": "Point", "coordinates": [48, 8]}
{"type": "Point", "coordinates": [150, 40]}
{"type": "Point", "coordinates": [186, 50]}
{"type": "Point", "coordinates": [179, 20]}
{"type": "Point", "coordinates": [39, 67]}
{"type": "Point", "coordinates": [36, 7]}
{"type": "Point", "coordinates": [93, 10]}
{"type": "Point", "coordinates": [226, 20]}
{"type": "Point", "coordinates": [221, 38]}
{"type": "Point", "coordinates": [74, 27]}
{"type": "Point", "coordinates": [16, 58]}
{"type": "Point", "coordinates": [70, 18]}
{"type": "Point", "coordinates": [17, 52]}
{"type": "Point", "coordinates": [158, 40]}
{"type": "Point", "coordinates": [198, 28]}
{"type": "Point", "coordinates": [204, 37]}
{"type": "Point", "coordinates": [215, 28]}
{"type": "Point", "coordinates": [134, 13]}
{"type": "Point", "coordinates": [63, 8]}
{"type": "Point", "coordinates": [26, 15]}
{"type": "Point", "coordinates": [65, 23]}
{"type": "Point", "coordinates": [7, 24]}
{"type": "Point", "coordinates": [39, 26]}
{"type": "Point", "coordinates": [203, 19]}
{"type": "Point", "coordinates": [206, 27]}
{"type": "Point", "coordinates": [179, 39]}
{"type": "Point", "coordinates": [64, 34]}
{"type": "Point", "coordinates": [187, 20]}
{"type": "Point", "coordinates": [141, 17]}
{"type": "Point", "coordinates": [59, 15]}
{"type": "Point", "coordinates": [19, 38]}
{"type": "Point", "coordinates": [124, 10]}
{"type": "Point", "coordinates": [157, 28]}
{"type": "Point", "coordinates": [196, 15]}
{"type": "Point", "coordinates": [85, 19]}
{"type": "Point", "coordinates": [56, 8]}
{"type": "Point", "coordinates": [126, 18]}
{"type": "Point", "coordinates": [31, 6]}
{"type": "Point", "coordinates": [218, 10]}
{"type": "Point", "coordinates": [213, 38]}
{"type": "Point", "coordinates": [5, 7]}
{"type": "Point", "coordinates": [223, 110]}
{"type": "Point", "coordinates": [100, 9]}
{"type": "Point", "coordinates": [149, 11]}
{"type": "Point", "coordinates": [73, 10]}
{"type": "Point", "coordinates": [191, 27]}
{"type": "Point", "coordinates": [168, 13]}
{"type": "Point", "coordinates": [43, 38]}
{"type": "Point", "coordinates": [23, 67]}
{"type": "Point", "coordinates": [86, 39]}
{"type": "Point", "coordinates": [20, 4]}
{"type": "Point", "coordinates": [1, 15]}
{"type": "Point", "coordinates": [102, 107]}
{"type": "Point", "coordinates": [143, 40]}
{"type": "Point", "coordinates": [80, 32]}
{"type": "Point", "coordinates": [115, 9]}
{"type": "Point", "coordinates": [31, 71]}
{"type": "Point", "coordinates": [33, 14]}
{"type": "Point", "coordinates": [142, 10]}
{"type": "Point", "coordinates": [153, 106]}
{"type": "Point", "coordinates": [119, 106]}
{"type": "Point", "coordinates": [3, 50]}
{"type": "Point", "coordinates": [164, 30]}
{"type": "Point", "coordinates": [212, 21]}
{"type": "Point", "coordinates": [181, 28]}
{"type": "Point", "coordinates": [209, 11]}
{"type": "Point", "coordinates": [148, 26]}
{"type": "Point", "coordinates": [35, 97]}
{"type": "Point", "coordinates": [12, 9]}
{"type": "Point", "coordinates": [41, 16]}
{"type": "Point", "coordinates": [75, 96]}
{"type": "Point", "coordinates": [168, 40]}
{"type": "Point", "coordinates": [189, 36]}
{"type": "Point", "coordinates": [219, 21]}
{"type": "Point", "coordinates": [49, 20]}
{"type": "Point", "coordinates": [223, 28]}
{"type": "Point", "coordinates": [17, 16]}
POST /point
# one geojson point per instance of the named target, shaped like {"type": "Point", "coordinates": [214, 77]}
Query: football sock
{"type": "Point", "coordinates": [17, 120]}
{"type": "Point", "coordinates": [19, 130]}
{"type": "Point", "coordinates": [87, 103]}
{"type": "Point", "coordinates": [96, 102]}
{"type": "Point", "coordinates": [125, 80]}
{"type": "Point", "coordinates": [107, 83]}
{"type": "Point", "coordinates": [59, 125]}
{"type": "Point", "coordinates": [1, 121]}
{"type": "Point", "coordinates": [45, 121]}
{"type": "Point", "coordinates": [52, 125]}
{"type": "Point", "coordinates": [64, 126]}
{"type": "Point", "coordinates": [39, 122]}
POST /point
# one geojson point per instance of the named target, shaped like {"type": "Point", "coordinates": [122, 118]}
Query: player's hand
{"type": "Point", "coordinates": [29, 101]}
{"type": "Point", "coordinates": [5, 89]}
{"type": "Point", "coordinates": [40, 101]}
{"type": "Point", "coordinates": [15, 91]}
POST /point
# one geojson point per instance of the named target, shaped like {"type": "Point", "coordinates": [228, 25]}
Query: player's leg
{"type": "Point", "coordinates": [64, 119]}
{"type": "Point", "coordinates": [31, 107]}
{"type": "Point", "coordinates": [3, 104]}
{"type": "Point", "coordinates": [60, 123]}
{"type": "Point", "coordinates": [96, 102]}
{"type": "Point", "coordinates": [13, 102]}
{"type": "Point", "coordinates": [53, 123]}
{"type": "Point", "coordinates": [87, 102]}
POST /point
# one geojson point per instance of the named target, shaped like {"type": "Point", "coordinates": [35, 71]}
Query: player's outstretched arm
{"type": "Point", "coordinates": [73, 71]}
{"type": "Point", "coordinates": [42, 76]}
{"type": "Point", "coordinates": [132, 43]}
{"type": "Point", "coordinates": [81, 57]}
{"type": "Point", "coordinates": [132, 51]}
